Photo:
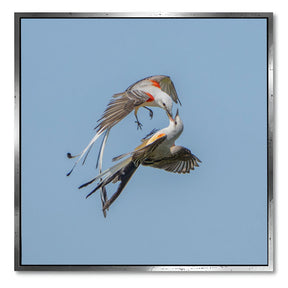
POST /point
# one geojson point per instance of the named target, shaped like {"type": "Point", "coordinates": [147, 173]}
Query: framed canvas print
{"type": "Point", "coordinates": [144, 141]}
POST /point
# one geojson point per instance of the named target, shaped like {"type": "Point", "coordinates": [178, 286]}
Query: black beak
{"type": "Point", "coordinates": [177, 113]}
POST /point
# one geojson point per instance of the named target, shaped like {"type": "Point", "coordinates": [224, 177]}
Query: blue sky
{"type": "Point", "coordinates": [215, 215]}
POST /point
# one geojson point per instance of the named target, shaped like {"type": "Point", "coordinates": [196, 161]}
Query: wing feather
{"type": "Point", "coordinates": [168, 87]}
{"type": "Point", "coordinates": [181, 160]}
{"type": "Point", "coordinates": [142, 151]}
{"type": "Point", "coordinates": [119, 107]}
{"type": "Point", "coordinates": [165, 84]}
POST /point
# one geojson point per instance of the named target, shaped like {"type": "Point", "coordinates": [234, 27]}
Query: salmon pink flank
{"type": "Point", "coordinates": [151, 98]}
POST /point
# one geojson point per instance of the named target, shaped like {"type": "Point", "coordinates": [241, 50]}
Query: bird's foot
{"type": "Point", "coordinates": [139, 125]}
{"type": "Point", "coordinates": [150, 112]}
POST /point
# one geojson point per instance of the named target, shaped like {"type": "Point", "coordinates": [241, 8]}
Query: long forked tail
{"type": "Point", "coordinates": [86, 150]}
{"type": "Point", "coordinates": [122, 172]}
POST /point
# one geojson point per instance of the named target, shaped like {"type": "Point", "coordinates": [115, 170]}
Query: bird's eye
{"type": "Point", "coordinates": [164, 104]}
{"type": "Point", "coordinates": [175, 122]}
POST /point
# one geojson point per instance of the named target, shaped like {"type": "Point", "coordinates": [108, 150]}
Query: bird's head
{"type": "Point", "coordinates": [176, 123]}
{"type": "Point", "coordinates": [166, 103]}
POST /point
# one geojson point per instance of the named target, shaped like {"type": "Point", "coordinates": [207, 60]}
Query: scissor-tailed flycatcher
{"type": "Point", "coordinates": [154, 91]}
{"type": "Point", "coordinates": [158, 151]}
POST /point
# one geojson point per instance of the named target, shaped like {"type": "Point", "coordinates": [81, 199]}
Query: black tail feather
{"type": "Point", "coordinates": [69, 155]}
{"type": "Point", "coordinates": [68, 174]}
{"type": "Point", "coordinates": [124, 176]}
{"type": "Point", "coordinates": [87, 183]}
{"type": "Point", "coordinates": [94, 190]}
{"type": "Point", "coordinates": [104, 199]}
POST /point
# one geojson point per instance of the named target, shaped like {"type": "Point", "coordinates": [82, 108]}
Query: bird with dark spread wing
{"type": "Point", "coordinates": [157, 151]}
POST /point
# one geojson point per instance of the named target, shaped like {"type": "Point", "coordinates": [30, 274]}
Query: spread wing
{"type": "Point", "coordinates": [167, 86]}
{"type": "Point", "coordinates": [137, 157]}
{"type": "Point", "coordinates": [181, 160]}
{"type": "Point", "coordinates": [119, 107]}
{"type": "Point", "coordinates": [141, 152]}
{"type": "Point", "coordinates": [161, 81]}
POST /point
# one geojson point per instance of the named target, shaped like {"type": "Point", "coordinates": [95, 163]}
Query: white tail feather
{"type": "Point", "coordinates": [103, 192]}
{"type": "Point", "coordinates": [87, 149]}
{"type": "Point", "coordinates": [102, 150]}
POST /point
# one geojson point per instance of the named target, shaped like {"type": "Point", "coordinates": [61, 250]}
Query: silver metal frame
{"type": "Point", "coordinates": [17, 145]}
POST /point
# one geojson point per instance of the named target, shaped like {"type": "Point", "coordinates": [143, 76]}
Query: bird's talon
{"type": "Point", "coordinates": [139, 125]}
